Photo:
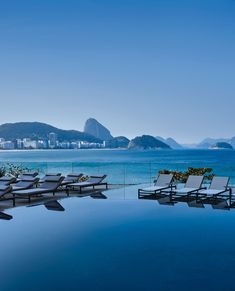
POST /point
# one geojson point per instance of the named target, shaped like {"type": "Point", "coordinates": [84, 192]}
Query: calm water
{"type": "Point", "coordinates": [123, 166]}
{"type": "Point", "coordinates": [118, 243]}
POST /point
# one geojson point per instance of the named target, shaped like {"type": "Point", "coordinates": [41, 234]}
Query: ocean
{"type": "Point", "coordinates": [122, 166]}
{"type": "Point", "coordinates": [113, 240]}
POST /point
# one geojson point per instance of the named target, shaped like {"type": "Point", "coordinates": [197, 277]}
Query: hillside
{"type": "Point", "coordinates": [147, 142]}
{"type": "Point", "coordinates": [170, 142]}
{"type": "Point", "coordinates": [38, 130]}
{"type": "Point", "coordinates": [222, 145]}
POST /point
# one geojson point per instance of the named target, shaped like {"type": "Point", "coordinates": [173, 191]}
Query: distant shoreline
{"type": "Point", "coordinates": [57, 150]}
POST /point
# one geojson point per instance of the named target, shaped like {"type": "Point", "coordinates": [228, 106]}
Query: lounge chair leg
{"type": "Point", "coordinates": [230, 197]}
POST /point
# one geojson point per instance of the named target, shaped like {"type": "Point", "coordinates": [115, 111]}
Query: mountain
{"type": "Point", "coordinates": [222, 145]}
{"type": "Point", "coordinates": [170, 142]}
{"type": "Point", "coordinates": [173, 144]}
{"type": "Point", "coordinates": [232, 142]}
{"type": "Point", "coordinates": [93, 127]}
{"type": "Point", "coordinates": [146, 142]}
{"type": "Point", "coordinates": [209, 142]}
{"type": "Point", "coordinates": [118, 142]}
{"type": "Point", "coordinates": [38, 130]}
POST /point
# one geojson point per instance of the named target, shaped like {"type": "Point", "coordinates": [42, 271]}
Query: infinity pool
{"type": "Point", "coordinates": [118, 243]}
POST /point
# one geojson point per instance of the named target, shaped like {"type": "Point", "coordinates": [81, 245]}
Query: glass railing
{"type": "Point", "coordinates": [118, 173]}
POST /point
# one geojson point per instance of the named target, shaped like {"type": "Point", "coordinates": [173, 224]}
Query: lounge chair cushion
{"type": "Point", "coordinates": [210, 192]}
{"type": "Point", "coordinates": [185, 190]}
{"type": "Point", "coordinates": [154, 188]}
{"type": "Point", "coordinates": [33, 191]}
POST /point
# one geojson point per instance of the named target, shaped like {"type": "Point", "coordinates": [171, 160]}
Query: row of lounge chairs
{"type": "Point", "coordinates": [28, 185]}
{"type": "Point", "coordinates": [193, 186]}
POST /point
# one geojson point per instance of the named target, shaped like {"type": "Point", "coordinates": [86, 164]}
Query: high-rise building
{"type": "Point", "coordinates": [52, 139]}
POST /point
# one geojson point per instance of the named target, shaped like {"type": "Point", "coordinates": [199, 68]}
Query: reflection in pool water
{"type": "Point", "coordinates": [119, 243]}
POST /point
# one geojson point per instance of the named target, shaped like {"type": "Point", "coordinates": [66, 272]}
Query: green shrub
{"type": "Point", "coordinates": [12, 170]}
{"type": "Point", "coordinates": [182, 176]}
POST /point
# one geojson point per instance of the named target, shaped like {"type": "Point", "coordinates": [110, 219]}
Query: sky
{"type": "Point", "coordinates": [158, 67]}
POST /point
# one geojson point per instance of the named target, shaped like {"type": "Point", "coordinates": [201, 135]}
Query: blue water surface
{"type": "Point", "coordinates": [123, 166]}
{"type": "Point", "coordinates": [118, 243]}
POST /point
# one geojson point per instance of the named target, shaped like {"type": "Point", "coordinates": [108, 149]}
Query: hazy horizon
{"type": "Point", "coordinates": [164, 68]}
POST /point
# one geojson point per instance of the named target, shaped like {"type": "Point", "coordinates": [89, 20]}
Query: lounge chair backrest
{"type": "Point", "coordinates": [72, 178]}
{"type": "Point", "coordinates": [52, 183]}
{"type": "Point", "coordinates": [28, 178]}
{"type": "Point", "coordinates": [219, 183]}
{"type": "Point", "coordinates": [96, 179]}
{"type": "Point", "coordinates": [48, 175]}
{"type": "Point", "coordinates": [5, 180]}
{"type": "Point", "coordinates": [164, 180]}
{"type": "Point", "coordinates": [27, 183]}
{"type": "Point", "coordinates": [194, 182]}
{"type": "Point", "coordinates": [30, 174]}
{"type": "Point", "coordinates": [75, 175]}
{"type": "Point", "coordinates": [5, 189]}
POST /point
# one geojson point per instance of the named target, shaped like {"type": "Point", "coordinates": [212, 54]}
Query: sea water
{"type": "Point", "coordinates": [122, 166]}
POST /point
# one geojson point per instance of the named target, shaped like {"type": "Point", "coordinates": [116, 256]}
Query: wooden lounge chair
{"type": "Point", "coordinates": [91, 182]}
{"type": "Point", "coordinates": [163, 182]}
{"type": "Point", "coordinates": [50, 185]}
{"type": "Point", "coordinates": [192, 185]}
{"type": "Point", "coordinates": [218, 186]}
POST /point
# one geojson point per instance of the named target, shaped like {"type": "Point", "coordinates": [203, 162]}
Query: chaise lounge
{"type": "Point", "coordinates": [71, 178]}
{"type": "Point", "coordinates": [163, 182]}
{"type": "Point", "coordinates": [218, 186]}
{"type": "Point", "coordinates": [26, 183]}
{"type": "Point", "coordinates": [50, 185]}
{"type": "Point", "coordinates": [192, 186]}
{"type": "Point", "coordinates": [91, 182]}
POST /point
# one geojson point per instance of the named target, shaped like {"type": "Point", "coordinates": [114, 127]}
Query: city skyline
{"type": "Point", "coordinates": [163, 68]}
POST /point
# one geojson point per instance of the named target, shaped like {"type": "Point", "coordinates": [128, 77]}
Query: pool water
{"type": "Point", "coordinates": [118, 243]}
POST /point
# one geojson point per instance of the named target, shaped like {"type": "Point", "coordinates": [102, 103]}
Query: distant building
{"type": "Point", "coordinates": [74, 145]}
{"type": "Point", "coordinates": [52, 140]}
{"type": "Point", "coordinates": [30, 144]}
{"type": "Point", "coordinates": [19, 144]}
{"type": "Point", "coordinates": [64, 145]}
{"type": "Point", "coordinates": [7, 145]}
{"type": "Point", "coordinates": [89, 145]}
{"type": "Point", "coordinates": [43, 144]}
